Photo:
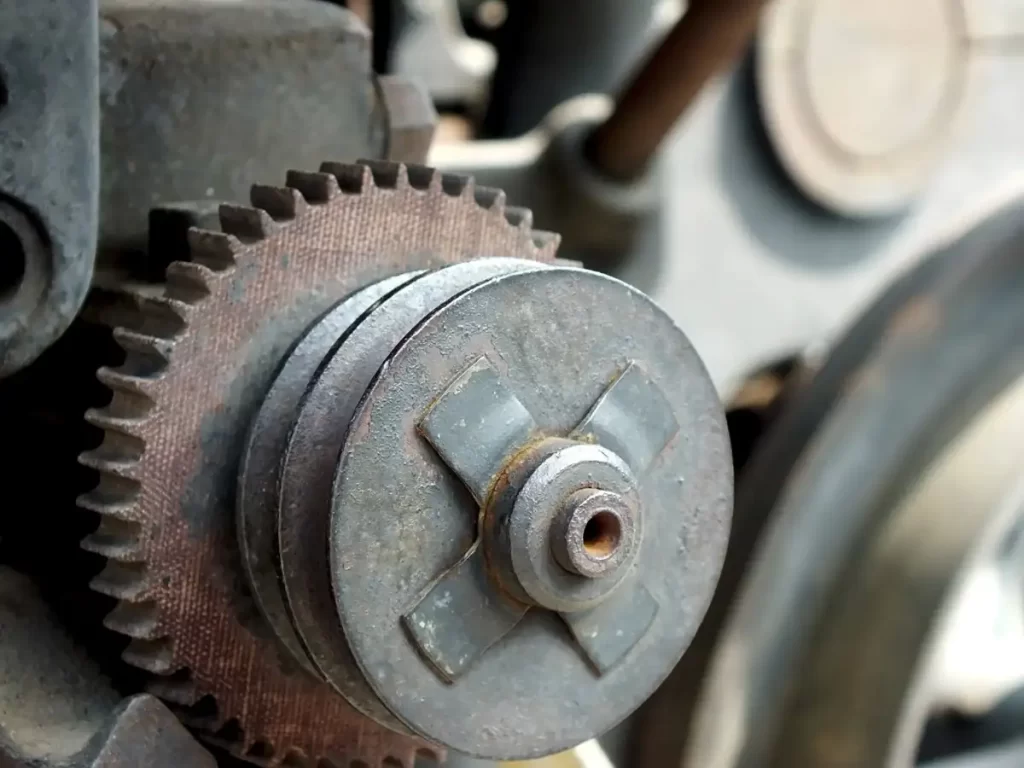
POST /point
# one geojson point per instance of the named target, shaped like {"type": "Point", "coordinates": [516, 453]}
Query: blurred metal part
{"type": "Point", "coordinates": [862, 102]}
{"type": "Point", "coordinates": [56, 709]}
{"type": "Point", "coordinates": [827, 657]}
{"type": "Point", "coordinates": [1005, 756]}
{"type": "Point", "coordinates": [200, 97]}
{"type": "Point", "coordinates": [554, 50]}
{"type": "Point", "coordinates": [411, 118]}
{"type": "Point", "coordinates": [49, 174]}
{"type": "Point", "coordinates": [432, 47]}
{"type": "Point", "coordinates": [708, 39]}
{"type": "Point", "coordinates": [732, 251]}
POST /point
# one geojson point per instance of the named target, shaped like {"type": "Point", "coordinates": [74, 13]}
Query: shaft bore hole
{"type": "Point", "coordinates": [12, 262]}
{"type": "Point", "coordinates": [601, 535]}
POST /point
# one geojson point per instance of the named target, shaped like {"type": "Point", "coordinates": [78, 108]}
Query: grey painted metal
{"type": "Point", "coordinates": [383, 563]}
{"type": "Point", "coordinates": [632, 418]}
{"type": "Point", "coordinates": [319, 430]}
{"type": "Point", "coordinates": [411, 118]}
{"type": "Point", "coordinates": [462, 616]}
{"type": "Point", "coordinates": [734, 253]}
{"type": "Point", "coordinates": [260, 473]}
{"type": "Point", "coordinates": [49, 173]}
{"type": "Point", "coordinates": [200, 98]}
{"type": "Point", "coordinates": [476, 425]}
{"type": "Point", "coordinates": [610, 630]}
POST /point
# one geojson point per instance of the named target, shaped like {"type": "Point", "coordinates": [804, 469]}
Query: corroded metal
{"type": "Point", "coordinates": [198, 364]}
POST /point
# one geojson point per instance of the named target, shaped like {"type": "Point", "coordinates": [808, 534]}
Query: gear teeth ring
{"type": "Point", "coordinates": [294, 252]}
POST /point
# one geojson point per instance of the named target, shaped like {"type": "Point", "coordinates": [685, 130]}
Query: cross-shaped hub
{"type": "Point", "coordinates": [561, 519]}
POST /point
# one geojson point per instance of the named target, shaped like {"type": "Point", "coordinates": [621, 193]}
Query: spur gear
{"type": "Point", "coordinates": [197, 363]}
{"type": "Point", "coordinates": [379, 474]}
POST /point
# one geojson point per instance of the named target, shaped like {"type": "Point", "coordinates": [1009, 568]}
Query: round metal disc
{"type": "Point", "coordinates": [860, 99]}
{"type": "Point", "coordinates": [268, 436]}
{"type": "Point", "coordinates": [401, 518]}
{"type": "Point", "coordinates": [313, 447]}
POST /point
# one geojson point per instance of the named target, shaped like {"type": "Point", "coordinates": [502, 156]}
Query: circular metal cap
{"type": "Point", "coordinates": [860, 99]}
{"type": "Point", "coordinates": [509, 364]}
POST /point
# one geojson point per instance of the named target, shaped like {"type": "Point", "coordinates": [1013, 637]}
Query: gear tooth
{"type": "Point", "coordinates": [315, 187]}
{"type": "Point", "coordinates": [177, 689]}
{"type": "Point", "coordinates": [521, 218]}
{"type": "Point", "coordinates": [121, 467]}
{"type": "Point", "coordinates": [124, 581]}
{"type": "Point", "coordinates": [146, 357]}
{"type": "Point", "coordinates": [138, 341]}
{"type": "Point", "coordinates": [121, 509]}
{"type": "Point", "coordinates": [546, 242]}
{"type": "Point", "coordinates": [245, 223]}
{"type": "Point", "coordinates": [162, 316]}
{"type": "Point", "coordinates": [154, 656]}
{"type": "Point", "coordinates": [187, 283]}
{"type": "Point", "coordinates": [114, 379]}
{"type": "Point", "coordinates": [490, 199]}
{"type": "Point", "coordinates": [455, 184]}
{"type": "Point", "coordinates": [282, 203]}
{"type": "Point", "coordinates": [203, 713]}
{"type": "Point", "coordinates": [127, 413]}
{"type": "Point", "coordinates": [295, 758]}
{"type": "Point", "coordinates": [423, 177]}
{"type": "Point", "coordinates": [352, 178]}
{"type": "Point", "coordinates": [387, 174]}
{"type": "Point", "coordinates": [140, 621]}
{"type": "Point", "coordinates": [115, 539]}
{"type": "Point", "coordinates": [216, 250]}
{"type": "Point", "coordinates": [261, 752]}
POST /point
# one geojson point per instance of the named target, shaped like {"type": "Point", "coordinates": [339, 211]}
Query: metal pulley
{"type": "Point", "coordinates": [488, 503]}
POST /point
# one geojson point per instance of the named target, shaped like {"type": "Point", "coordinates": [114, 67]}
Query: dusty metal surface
{"type": "Point", "coordinates": [383, 564]}
{"type": "Point", "coordinates": [259, 480]}
{"type": "Point", "coordinates": [176, 426]}
{"type": "Point", "coordinates": [320, 427]}
{"type": "Point", "coordinates": [862, 102]}
{"type": "Point", "coordinates": [935, 362]}
{"type": "Point", "coordinates": [49, 175]}
{"type": "Point", "coordinates": [145, 732]}
{"type": "Point", "coordinates": [199, 98]}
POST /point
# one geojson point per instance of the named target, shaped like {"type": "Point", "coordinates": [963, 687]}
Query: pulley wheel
{"type": "Point", "coordinates": [529, 513]}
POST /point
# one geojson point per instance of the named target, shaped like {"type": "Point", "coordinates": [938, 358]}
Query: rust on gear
{"type": "Point", "coordinates": [197, 364]}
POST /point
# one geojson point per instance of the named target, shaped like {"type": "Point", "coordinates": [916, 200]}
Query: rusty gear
{"type": "Point", "coordinates": [197, 364]}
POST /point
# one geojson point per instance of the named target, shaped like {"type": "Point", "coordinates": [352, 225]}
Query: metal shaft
{"type": "Point", "coordinates": [709, 37]}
